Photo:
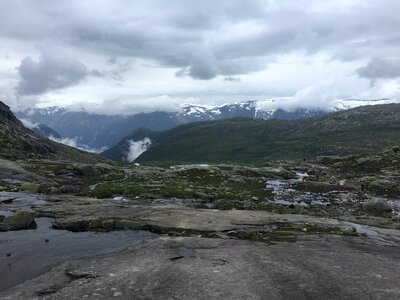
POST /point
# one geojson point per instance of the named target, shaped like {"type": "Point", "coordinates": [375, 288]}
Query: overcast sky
{"type": "Point", "coordinates": [117, 55]}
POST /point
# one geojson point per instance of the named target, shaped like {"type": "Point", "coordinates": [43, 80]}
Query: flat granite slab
{"type": "Point", "coordinates": [331, 267]}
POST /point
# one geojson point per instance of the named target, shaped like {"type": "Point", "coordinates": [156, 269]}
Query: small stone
{"type": "Point", "coordinates": [8, 254]}
{"type": "Point", "coordinates": [117, 294]}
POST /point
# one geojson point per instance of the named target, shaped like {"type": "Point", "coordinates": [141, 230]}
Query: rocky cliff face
{"type": "Point", "coordinates": [20, 143]}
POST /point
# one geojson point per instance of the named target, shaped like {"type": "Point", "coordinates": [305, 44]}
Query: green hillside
{"type": "Point", "coordinates": [363, 129]}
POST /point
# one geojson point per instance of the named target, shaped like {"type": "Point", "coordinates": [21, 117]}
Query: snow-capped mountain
{"type": "Point", "coordinates": [248, 109]}
{"type": "Point", "coordinates": [98, 132]}
{"type": "Point", "coordinates": [283, 108]}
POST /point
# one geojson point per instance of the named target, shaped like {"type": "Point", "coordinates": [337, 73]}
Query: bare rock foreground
{"type": "Point", "coordinates": [201, 268]}
{"type": "Point", "coordinates": [213, 254]}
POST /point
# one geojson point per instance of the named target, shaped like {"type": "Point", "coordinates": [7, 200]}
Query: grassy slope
{"type": "Point", "coordinates": [362, 129]}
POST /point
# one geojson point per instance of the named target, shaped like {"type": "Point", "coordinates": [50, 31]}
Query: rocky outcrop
{"type": "Point", "coordinates": [6, 116]}
{"type": "Point", "coordinates": [20, 220]}
{"type": "Point", "coordinates": [20, 143]}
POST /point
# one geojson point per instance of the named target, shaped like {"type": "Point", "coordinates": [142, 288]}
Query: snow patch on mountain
{"type": "Point", "coordinates": [344, 104]}
{"type": "Point", "coordinates": [266, 109]}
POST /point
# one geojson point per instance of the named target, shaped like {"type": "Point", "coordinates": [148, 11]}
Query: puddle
{"type": "Point", "coordinates": [371, 233]}
{"type": "Point", "coordinates": [33, 252]}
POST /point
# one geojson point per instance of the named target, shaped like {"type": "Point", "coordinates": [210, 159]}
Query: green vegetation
{"type": "Point", "coordinates": [378, 173]}
{"type": "Point", "coordinates": [207, 184]}
{"type": "Point", "coordinates": [247, 141]}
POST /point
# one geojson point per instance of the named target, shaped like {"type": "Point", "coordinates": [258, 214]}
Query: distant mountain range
{"type": "Point", "coordinates": [363, 129]}
{"type": "Point", "coordinates": [99, 132]}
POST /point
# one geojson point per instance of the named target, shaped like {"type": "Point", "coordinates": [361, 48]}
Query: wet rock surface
{"type": "Point", "coordinates": [26, 254]}
{"type": "Point", "coordinates": [201, 268]}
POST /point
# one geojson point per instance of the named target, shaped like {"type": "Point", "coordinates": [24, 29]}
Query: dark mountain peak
{"type": "Point", "coordinates": [5, 113]}
{"type": "Point", "coordinates": [3, 106]}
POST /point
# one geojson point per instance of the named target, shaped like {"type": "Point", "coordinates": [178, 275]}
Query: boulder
{"type": "Point", "coordinates": [377, 206]}
{"type": "Point", "coordinates": [72, 224]}
{"type": "Point", "coordinates": [88, 170]}
{"type": "Point", "coordinates": [21, 219]}
{"type": "Point", "coordinates": [382, 185]}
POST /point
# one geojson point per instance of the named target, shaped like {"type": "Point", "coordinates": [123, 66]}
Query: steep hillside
{"type": "Point", "coordinates": [18, 142]}
{"type": "Point", "coordinates": [46, 131]}
{"type": "Point", "coordinates": [362, 129]}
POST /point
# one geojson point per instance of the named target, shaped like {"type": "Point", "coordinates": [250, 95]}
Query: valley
{"type": "Point", "coordinates": [83, 226]}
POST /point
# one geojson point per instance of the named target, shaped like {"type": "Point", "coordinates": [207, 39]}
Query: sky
{"type": "Point", "coordinates": [114, 56]}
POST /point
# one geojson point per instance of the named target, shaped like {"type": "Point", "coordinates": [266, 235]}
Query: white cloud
{"type": "Point", "coordinates": [27, 123]}
{"type": "Point", "coordinates": [136, 148]}
{"type": "Point", "coordinates": [383, 89]}
{"type": "Point", "coordinates": [146, 54]}
{"type": "Point", "coordinates": [74, 142]}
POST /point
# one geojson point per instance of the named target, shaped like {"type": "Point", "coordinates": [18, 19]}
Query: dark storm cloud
{"type": "Point", "coordinates": [50, 72]}
{"type": "Point", "coordinates": [380, 68]}
{"type": "Point", "coordinates": [204, 39]}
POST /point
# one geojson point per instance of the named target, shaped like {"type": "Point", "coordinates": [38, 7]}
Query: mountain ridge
{"type": "Point", "coordinates": [99, 131]}
{"type": "Point", "coordinates": [362, 129]}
